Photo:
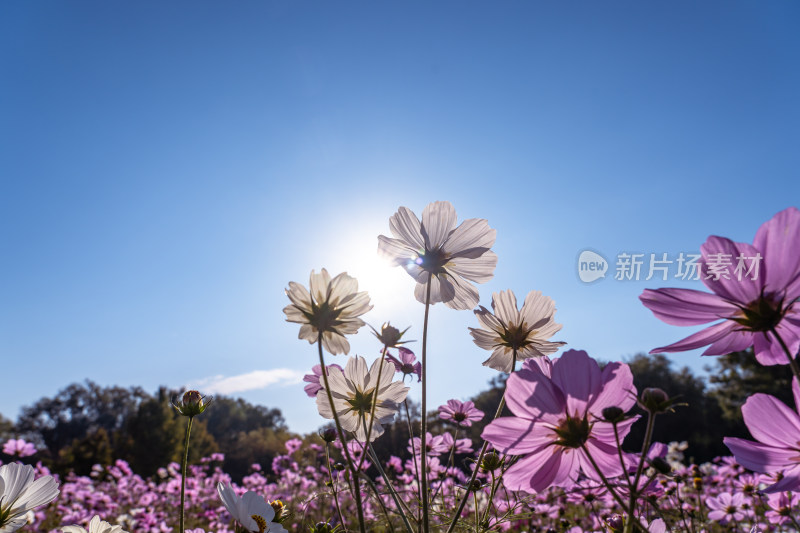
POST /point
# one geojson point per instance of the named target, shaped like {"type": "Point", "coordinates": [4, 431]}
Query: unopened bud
{"type": "Point", "coordinates": [491, 461]}
{"type": "Point", "coordinates": [328, 434]}
{"type": "Point", "coordinates": [660, 465]}
{"type": "Point", "coordinates": [281, 512]}
{"type": "Point", "coordinates": [322, 527]}
{"type": "Point", "coordinates": [654, 400]}
{"type": "Point", "coordinates": [338, 467]}
{"type": "Point", "coordinates": [613, 414]}
{"type": "Point", "coordinates": [616, 523]}
{"type": "Point", "coordinates": [192, 404]}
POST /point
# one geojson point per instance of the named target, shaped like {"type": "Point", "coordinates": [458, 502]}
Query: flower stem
{"type": "Point", "coordinates": [375, 394]}
{"type": "Point", "coordinates": [353, 473]}
{"type": "Point", "coordinates": [648, 436]}
{"type": "Point", "coordinates": [463, 501]}
{"type": "Point", "coordinates": [183, 471]}
{"type": "Point", "coordinates": [424, 426]}
{"type": "Point", "coordinates": [389, 486]}
{"type": "Point", "coordinates": [792, 362]}
{"type": "Point", "coordinates": [333, 484]}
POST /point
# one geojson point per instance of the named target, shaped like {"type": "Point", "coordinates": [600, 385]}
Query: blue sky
{"type": "Point", "coordinates": [167, 169]}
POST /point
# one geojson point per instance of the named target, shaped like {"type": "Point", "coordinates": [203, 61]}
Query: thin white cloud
{"type": "Point", "coordinates": [257, 379]}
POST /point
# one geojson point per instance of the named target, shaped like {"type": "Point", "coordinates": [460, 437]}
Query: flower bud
{"type": "Point", "coordinates": [616, 523]}
{"type": "Point", "coordinates": [491, 461]}
{"type": "Point", "coordinates": [390, 336]}
{"type": "Point", "coordinates": [323, 527]}
{"type": "Point", "coordinates": [338, 467]}
{"type": "Point", "coordinates": [660, 465]}
{"type": "Point", "coordinates": [613, 414]}
{"type": "Point", "coordinates": [192, 403]}
{"type": "Point", "coordinates": [475, 486]}
{"type": "Point", "coordinates": [328, 434]}
{"type": "Point", "coordinates": [654, 400]}
{"type": "Point", "coordinates": [281, 512]}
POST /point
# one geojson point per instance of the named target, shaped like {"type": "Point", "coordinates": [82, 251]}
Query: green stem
{"type": "Point", "coordinates": [373, 407]}
{"type": "Point", "coordinates": [648, 436]}
{"type": "Point", "coordinates": [463, 501]}
{"type": "Point", "coordinates": [792, 362]}
{"type": "Point", "coordinates": [183, 471]}
{"type": "Point", "coordinates": [333, 485]}
{"type": "Point", "coordinates": [389, 486]}
{"type": "Point", "coordinates": [424, 426]}
{"type": "Point", "coordinates": [413, 456]}
{"type": "Point", "coordinates": [353, 472]}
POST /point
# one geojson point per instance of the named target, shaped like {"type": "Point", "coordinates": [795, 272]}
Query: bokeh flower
{"type": "Point", "coordinates": [252, 511]}
{"type": "Point", "coordinates": [776, 429]}
{"type": "Point", "coordinates": [509, 329]}
{"type": "Point", "coordinates": [96, 525]}
{"type": "Point", "coordinates": [20, 493]}
{"type": "Point", "coordinates": [726, 507]}
{"type": "Point", "coordinates": [756, 296]}
{"type": "Point", "coordinates": [18, 447]}
{"type": "Point", "coordinates": [558, 420]}
{"type": "Point", "coordinates": [462, 414]}
{"type": "Point", "coordinates": [331, 307]}
{"type": "Point", "coordinates": [453, 256]}
{"type": "Point", "coordinates": [355, 389]}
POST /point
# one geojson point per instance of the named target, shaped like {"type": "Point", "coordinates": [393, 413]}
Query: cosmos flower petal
{"type": "Point", "coordinates": [778, 239]}
{"type": "Point", "coordinates": [728, 286]}
{"type": "Point", "coordinates": [516, 436]}
{"type": "Point", "coordinates": [406, 227]}
{"type": "Point", "coordinates": [471, 238]}
{"type": "Point", "coordinates": [396, 251]}
{"type": "Point", "coordinates": [534, 472]}
{"type": "Point", "coordinates": [504, 304]}
{"type": "Point", "coordinates": [578, 377]}
{"type": "Point", "coordinates": [771, 422]}
{"type": "Point", "coordinates": [438, 220]}
{"type": "Point", "coordinates": [531, 394]}
{"type": "Point", "coordinates": [760, 457]}
{"type": "Point", "coordinates": [616, 389]}
{"type": "Point", "coordinates": [686, 307]}
{"type": "Point", "coordinates": [479, 269]}
{"type": "Point", "coordinates": [703, 337]}
{"type": "Point", "coordinates": [465, 295]}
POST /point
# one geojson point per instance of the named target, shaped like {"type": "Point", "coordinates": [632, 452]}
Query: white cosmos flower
{"type": "Point", "coordinates": [353, 392]}
{"type": "Point", "coordinates": [95, 526]}
{"type": "Point", "coordinates": [525, 330]}
{"type": "Point", "coordinates": [454, 256]}
{"type": "Point", "coordinates": [331, 307]}
{"type": "Point", "coordinates": [20, 493]}
{"type": "Point", "coordinates": [251, 510]}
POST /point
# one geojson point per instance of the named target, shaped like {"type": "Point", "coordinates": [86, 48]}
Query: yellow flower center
{"type": "Point", "coordinates": [260, 522]}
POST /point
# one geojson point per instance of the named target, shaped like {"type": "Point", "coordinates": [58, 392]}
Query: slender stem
{"type": "Point", "coordinates": [353, 473]}
{"type": "Point", "coordinates": [792, 362]}
{"type": "Point", "coordinates": [424, 426]}
{"type": "Point", "coordinates": [392, 492]}
{"type": "Point", "coordinates": [648, 436]}
{"type": "Point", "coordinates": [183, 471]}
{"type": "Point", "coordinates": [463, 501]}
{"type": "Point", "coordinates": [413, 454]}
{"type": "Point", "coordinates": [449, 463]}
{"type": "Point", "coordinates": [333, 485]}
{"type": "Point", "coordinates": [605, 481]}
{"type": "Point", "coordinates": [621, 458]}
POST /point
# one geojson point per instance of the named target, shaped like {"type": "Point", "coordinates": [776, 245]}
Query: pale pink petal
{"type": "Point", "coordinates": [778, 239]}
{"type": "Point", "coordinates": [517, 436]}
{"type": "Point", "coordinates": [578, 377]}
{"type": "Point", "coordinates": [760, 457]}
{"type": "Point", "coordinates": [531, 394]}
{"type": "Point", "coordinates": [617, 389]}
{"type": "Point", "coordinates": [472, 238]}
{"type": "Point", "coordinates": [701, 338]}
{"type": "Point", "coordinates": [438, 220]}
{"type": "Point", "coordinates": [733, 289]}
{"type": "Point", "coordinates": [535, 472]}
{"type": "Point", "coordinates": [406, 226]}
{"type": "Point", "coordinates": [789, 482]}
{"type": "Point", "coordinates": [771, 422]}
{"type": "Point", "coordinates": [686, 307]}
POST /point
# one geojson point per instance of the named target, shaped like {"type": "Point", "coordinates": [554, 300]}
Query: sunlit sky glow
{"type": "Point", "coordinates": [168, 168]}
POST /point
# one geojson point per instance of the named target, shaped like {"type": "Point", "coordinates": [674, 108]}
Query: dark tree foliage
{"type": "Point", "coordinates": [77, 411]}
{"type": "Point", "coordinates": [738, 375]}
{"type": "Point", "coordinates": [699, 423]}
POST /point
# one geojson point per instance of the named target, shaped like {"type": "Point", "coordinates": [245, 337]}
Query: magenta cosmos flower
{"type": "Point", "coordinates": [406, 363]}
{"type": "Point", "coordinates": [463, 414]}
{"type": "Point", "coordinates": [726, 508]}
{"type": "Point", "coordinates": [313, 379]}
{"type": "Point", "coordinates": [777, 430]}
{"type": "Point", "coordinates": [558, 418]}
{"type": "Point", "coordinates": [755, 296]}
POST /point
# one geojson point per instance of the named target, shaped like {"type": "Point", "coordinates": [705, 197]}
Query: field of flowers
{"type": "Point", "coordinates": [556, 465]}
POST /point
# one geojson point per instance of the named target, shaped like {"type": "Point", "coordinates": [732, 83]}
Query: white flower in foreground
{"type": "Point", "coordinates": [251, 510]}
{"type": "Point", "coordinates": [19, 493]}
{"type": "Point", "coordinates": [95, 526]}
{"type": "Point", "coordinates": [331, 307]}
{"type": "Point", "coordinates": [525, 330]}
{"type": "Point", "coordinates": [353, 392]}
{"type": "Point", "coordinates": [454, 256]}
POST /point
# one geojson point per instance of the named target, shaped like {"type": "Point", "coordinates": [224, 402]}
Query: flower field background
{"type": "Point", "coordinates": [574, 444]}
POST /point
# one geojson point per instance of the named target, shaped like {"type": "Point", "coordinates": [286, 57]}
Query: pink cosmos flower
{"type": "Point", "coordinates": [406, 363]}
{"type": "Point", "coordinates": [18, 447]}
{"type": "Point", "coordinates": [726, 507]}
{"type": "Point", "coordinates": [777, 430]}
{"type": "Point", "coordinates": [460, 445]}
{"type": "Point", "coordinates": [292, 445]}
{"type": "Point", "coordinates": [558, 419]}
{"type": "Point", "coordinates": [782, 506]}
{"type": "Point", "coordinates": [313, 380]}
{"type": "Point", "coordinates": [461, 413]}
{"type": "Point", "coordinates": [754, 296]}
